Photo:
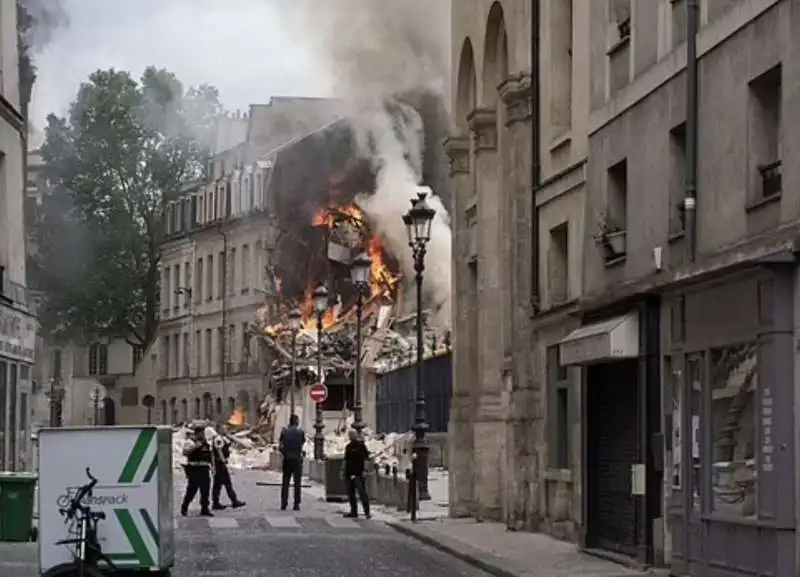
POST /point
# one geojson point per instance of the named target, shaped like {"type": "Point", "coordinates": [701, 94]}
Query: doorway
{"type": "Point", "coordinates": [612, 400]}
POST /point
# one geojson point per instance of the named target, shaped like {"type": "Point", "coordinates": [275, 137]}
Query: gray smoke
{"type": "Point", "coordinates": [45, 18]}
{"type": "Point", "coordinates": [380, 57]}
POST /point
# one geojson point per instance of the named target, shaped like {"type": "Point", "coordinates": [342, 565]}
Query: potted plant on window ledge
{"type": "Point", "coordinates": [612, 238]}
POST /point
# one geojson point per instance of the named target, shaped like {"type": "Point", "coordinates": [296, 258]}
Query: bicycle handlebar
{"type": "Point", "coordinates": [76, 504]}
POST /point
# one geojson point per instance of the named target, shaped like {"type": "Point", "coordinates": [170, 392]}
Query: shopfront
{"type": "Point", "coordinates": [621, 471]}
{"type": "Point", "coordinates": [729, 377]}
{"type": "Point", "coordinates": [17, 343]}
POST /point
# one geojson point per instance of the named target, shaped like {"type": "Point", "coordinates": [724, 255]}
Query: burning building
{"type": "Point", "coordinates": [247, 247]}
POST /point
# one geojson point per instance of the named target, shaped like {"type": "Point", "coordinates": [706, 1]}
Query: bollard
{"type": "Point", "coordinates": [412, 488]}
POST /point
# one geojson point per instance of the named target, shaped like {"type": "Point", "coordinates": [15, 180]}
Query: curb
{"type": "Point", "coordinates": [484, 561]}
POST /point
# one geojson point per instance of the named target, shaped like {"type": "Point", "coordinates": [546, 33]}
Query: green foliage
{"type": "Point", "coordinates": [124, 149]}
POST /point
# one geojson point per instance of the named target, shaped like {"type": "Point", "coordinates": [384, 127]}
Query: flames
{"type": "Point", "coordinates": [382, 282]}
{"type": "Point", "coordinates": [237, 418]}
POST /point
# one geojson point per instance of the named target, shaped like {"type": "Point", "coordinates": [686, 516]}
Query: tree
{"type": "Point", "coordinates": [125, 148]}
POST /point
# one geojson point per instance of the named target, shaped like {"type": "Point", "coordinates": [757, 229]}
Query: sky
{"type": "Point", "coordinates": [243, 47]}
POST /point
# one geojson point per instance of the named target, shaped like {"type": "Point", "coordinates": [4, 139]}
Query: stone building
{"type": "Point", "coordinates": [650, 412]}
{"type": "Point", "coordinates": [18, 324]}
{"type": "Point", "coordinates": [214, 258]}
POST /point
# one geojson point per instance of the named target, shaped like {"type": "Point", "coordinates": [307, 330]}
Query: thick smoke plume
{"type": "Point", "coordinates": [382, 58]}
{"type": "Point", "coordinates": [45, 18]}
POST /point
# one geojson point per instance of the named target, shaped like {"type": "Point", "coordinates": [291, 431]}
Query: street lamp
{"type": "Point", "coordinates": [320, 306]}
{"type": "Point", "coordinates": [418, 222]}
{"type": "Point", "coordinates": [295, 322]}
{"type": "Point", "coordinates": [359, 275]}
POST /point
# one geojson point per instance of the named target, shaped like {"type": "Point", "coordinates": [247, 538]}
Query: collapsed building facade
{"type": "Point", "coordinates": [278, 217]}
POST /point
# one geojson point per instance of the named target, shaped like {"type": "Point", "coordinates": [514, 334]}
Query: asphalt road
{"type": "Point", "coordinates": [260, 540]}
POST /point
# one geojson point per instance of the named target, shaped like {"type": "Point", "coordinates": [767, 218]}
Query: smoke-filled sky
{"type": "Point", "coordinates": [241, 46]}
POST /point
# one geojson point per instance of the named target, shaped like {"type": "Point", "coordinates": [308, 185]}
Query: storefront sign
{"type": "Point", "coordinates": [767, 447]}
{"type": "Point", "coordinates": [17, 335]}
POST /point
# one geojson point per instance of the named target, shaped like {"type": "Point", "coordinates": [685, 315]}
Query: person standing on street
{"type": "Point", "coordinates": [356, 456]}
{"type": "Point", "coordinates": [199, 459]}
{"type": "Point", "coordinates": [222, 475]}
{"type": "Point", "coordinates": [292, 440]}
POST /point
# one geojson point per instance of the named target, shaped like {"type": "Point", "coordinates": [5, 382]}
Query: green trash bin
{"type": "Point", "coordinates": [17, 492]}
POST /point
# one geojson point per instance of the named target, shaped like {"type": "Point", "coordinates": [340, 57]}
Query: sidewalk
{"type": "Point", "coordinates": [489, 546]}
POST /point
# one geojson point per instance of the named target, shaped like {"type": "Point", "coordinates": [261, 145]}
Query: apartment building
{"type": "Point", "coordinates": [214, 257]}
{"type": "Point", "coordinates": [635, 396]}
{"type": "Point", "coordinates": [18, 323]}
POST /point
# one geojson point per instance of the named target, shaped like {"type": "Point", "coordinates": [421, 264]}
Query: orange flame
{"type": "Point", "coordinates": [382, 280]}
{"type": "Point", "coordinates": [237, 418]}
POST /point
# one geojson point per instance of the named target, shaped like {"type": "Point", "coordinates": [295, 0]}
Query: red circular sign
{"type": "Point", "coordinates": [318, 393]}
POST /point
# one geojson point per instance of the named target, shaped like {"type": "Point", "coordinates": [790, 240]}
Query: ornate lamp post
{"type": "Point", "coordinates": [418, 222]}
{"type": "Point", "coordinates": [320, 306]}
{"type": "Point", "coordinates": [295, 323]}
{"type": "Point", "coordinates": [359, 275]}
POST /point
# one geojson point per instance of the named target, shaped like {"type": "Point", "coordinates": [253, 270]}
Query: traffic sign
{"type": "Point", "coordinates": [318, 393]}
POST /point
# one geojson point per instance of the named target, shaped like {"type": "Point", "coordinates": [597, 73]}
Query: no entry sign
{"type": "Point", "coordinates": [318, 393]}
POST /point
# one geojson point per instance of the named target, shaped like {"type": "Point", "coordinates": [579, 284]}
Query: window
{"type": "Point", "coordinates": [245, 269]}
{"type": "Point", "coordinates": [198, 282]}
{"type": "Point", "coordinates": [245, 347]}
{"type": "Point", "coordinates": [673, 428]}
{"type": "Point", "coordinates": [3, 395]}
{"type": "Point", "coordinates": [232, 273]}
{"type": "Point", "coordinates": [164, 416]}
{"type": "Point", "coordinates": [209, 346]}
{"type": "Point", "coordinates": [187, 284]}
{"type": "Point", "coordinates": [764, 109]}
{"type": "Point", "coordinates": [734, 459]}
{"type": "Point", "coordinates": [56, 369]}
{"type": "Point", "coordinates": [165, 356]}
{"type": "Point", "coordinates": [176, 275]}
{"type": "Point", "coordinates": [221, 356]}
{"type": "Point", "coordinates": [561, 66]}
{"type": "Point", "coordinates": [138, 353]}
{"type": "Point", "coordinates": [98, 359]}
{"type": "Point", "coordinates": [230, 346]}
{"type": "Point", "coordinates": [558, 264]}
{"type": "Point", "coordinates": [186, 356]}
{"type": "Point", "coordinates": [679, 21]}
{"type": "Point", "coordinates": [129, 396]}
{"type": "Point", "coordinates": [165, 292]}
{"type": "Point", "coordinates": [619, 51]}
{"type": "Point", "coordinates": [677, 181]}
{"type": "Point", "coordinates": [558, 378]}
{"type": "Point", "coordinates": [176, 347]}
{"type": "Point", "coordinates": [210, 278]}
{"type": "Point", "coordinates": [222, 266]}
{"type": "Point", "coordinates": [613, 224]}
{"type": "Point", "coordinates": [197, 352]}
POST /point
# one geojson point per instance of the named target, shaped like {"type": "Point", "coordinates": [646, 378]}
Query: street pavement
{"type": "Point", "coordinates": [260, 540]}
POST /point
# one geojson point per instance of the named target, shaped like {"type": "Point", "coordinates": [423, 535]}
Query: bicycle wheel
{"type": "Point", "coordinates": [72, 570]}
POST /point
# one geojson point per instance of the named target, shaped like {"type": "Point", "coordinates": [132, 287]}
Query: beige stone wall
{"type": "Point", "coordinates": [498, 452]}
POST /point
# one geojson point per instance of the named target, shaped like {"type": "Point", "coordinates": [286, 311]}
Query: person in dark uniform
{"type": "Point", "coordinates": [199, 459]}
{"type": "Point", "coordinates": [222, 475]}
{"type": "Point", "coordinates": [356, 456]}
{"type": "Point", "coordinates": [292, 440]}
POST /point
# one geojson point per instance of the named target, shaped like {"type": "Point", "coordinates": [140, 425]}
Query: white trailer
{"type": "Point", "coordinates": [133, 466]}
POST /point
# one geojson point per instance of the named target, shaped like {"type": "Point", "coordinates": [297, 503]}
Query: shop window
{"type": "Point", "coordinates": [3, 387]}
{"type": "Point", "coordinates": [734, 377]}
{"type": "Point", "coordinates": [674, 419]}
{"type": "Point", "coordinates": [98, 359]}
{"type": "Point", "coordinates": [558, 380]}
{"type": "Point", "coordinates": [695, 376]}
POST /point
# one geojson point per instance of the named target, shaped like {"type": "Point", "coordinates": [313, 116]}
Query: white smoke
{"type": "Point", "coordinates": [373, 52]}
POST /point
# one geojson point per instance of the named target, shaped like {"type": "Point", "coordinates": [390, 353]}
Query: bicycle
{"type": "Point", "coordinates": [88, 552]}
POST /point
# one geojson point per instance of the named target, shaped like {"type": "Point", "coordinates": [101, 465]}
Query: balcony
{"type": "Point", "coordinates": [19, 295]}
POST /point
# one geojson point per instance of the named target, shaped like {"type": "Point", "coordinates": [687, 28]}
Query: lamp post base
{"type": "Point", "coordinates": [319, 444]}
{"type": "Point", "coordinates": [421, 449]}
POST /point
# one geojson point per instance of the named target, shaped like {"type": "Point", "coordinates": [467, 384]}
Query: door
{"type": "Point", "coordinates": [612, 449]}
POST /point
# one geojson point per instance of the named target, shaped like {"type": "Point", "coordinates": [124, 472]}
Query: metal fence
{"type": "Point", "coordinates": [394, 396]}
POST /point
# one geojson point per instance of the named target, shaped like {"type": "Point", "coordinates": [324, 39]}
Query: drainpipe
{"type": "Point", "coordinates": [535, 155]}
{"type": "Point", "coordinates": [224, 291]}
{"type": "Point", "coordinates": [690, 197]}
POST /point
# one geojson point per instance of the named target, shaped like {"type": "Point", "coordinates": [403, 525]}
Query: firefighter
{"type": "Point", "coordinates": [222, 475]}
{"type": "Point", "coordinates": [199, 459]}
